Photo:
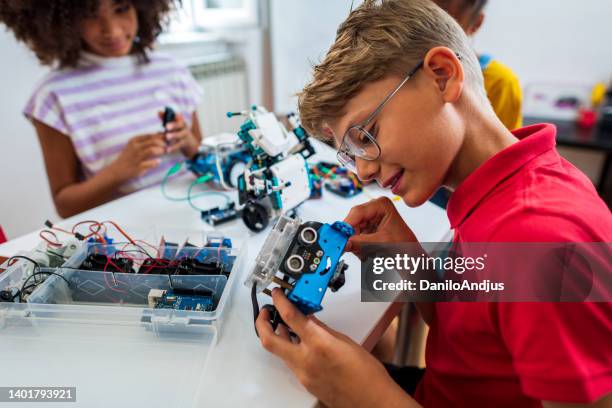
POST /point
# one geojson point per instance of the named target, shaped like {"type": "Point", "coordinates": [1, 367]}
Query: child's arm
{"type": "Point", "coordinates": [330, 365]}
{"type": "Point", "coordinates": [70, 194]}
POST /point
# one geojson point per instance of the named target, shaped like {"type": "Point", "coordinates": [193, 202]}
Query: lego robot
{"type": "Point", "coordinates": [222, 158]}
{"type": "Point", "coordinates": [304, 260]}
{"type": "Point", "coordinates": [277, 179]}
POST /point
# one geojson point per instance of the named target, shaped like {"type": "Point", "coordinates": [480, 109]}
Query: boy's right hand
{"type": "Point", "coordinates": [139, 155]}
{"type": "Point", "coordinates": [377, 221]}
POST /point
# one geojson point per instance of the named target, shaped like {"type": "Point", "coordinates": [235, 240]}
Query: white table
{"type": "Point", "coordinates": [239, 372]}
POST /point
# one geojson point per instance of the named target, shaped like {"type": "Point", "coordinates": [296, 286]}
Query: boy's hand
{"type": "Point", "coordinates": [330, 365]}
{"type": "Point", "coordinates": [140, 155]}
{"type": "Point", "coordinates": [180, 137]}
{"type": "Point", "coordinates": [376, 221]}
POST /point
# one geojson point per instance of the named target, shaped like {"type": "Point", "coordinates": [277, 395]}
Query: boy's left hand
{"type": "Point", "coordinates": [330, 365]}
{"type": "Point", "coordinates": [179, 136]}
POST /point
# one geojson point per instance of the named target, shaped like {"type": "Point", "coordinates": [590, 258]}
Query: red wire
{"type": "Point", "coordinates": [120, 230]}
{"type": "Point", "coordinates": [91, 224]}
{"type": "Point", "coordinates": [55, 244]}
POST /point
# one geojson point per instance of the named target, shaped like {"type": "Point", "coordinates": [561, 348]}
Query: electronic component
{"type": "Point", "coordinates": [185, 266]}
{"type": "Point", "coordinates": [337, 179]}
{"type": "Point", "coordinates": [307, 255]}
{"type": "Point", "coordinates": [220, 215]}
{"type": "Point", "coordinates": [170, 249]}
{"type": "Point", "coordinates": [107, 263]}
{"type": "Point", "coordinates": [343, 187]}
{"type": "Point", "coordinates": [198, 300]}
{"type": "Point", "coordinates": [168, 116]}
{"type": "Point", "coordinates": [222, 158]}
{"type": "Point", "coordinates": [9, 295]}
{"type": "Point", "coordinates": [212, 259]}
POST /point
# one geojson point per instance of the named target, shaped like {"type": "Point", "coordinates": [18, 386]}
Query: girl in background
{"type": "Point", "coordinates": [97, 113]}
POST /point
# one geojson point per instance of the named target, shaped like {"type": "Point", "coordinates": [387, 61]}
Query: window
{"type": "Point", "coordinates": [212, 14]}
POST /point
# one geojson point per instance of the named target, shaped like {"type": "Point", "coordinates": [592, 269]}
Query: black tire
{"type": "Point", "coordinates": [255, 216]}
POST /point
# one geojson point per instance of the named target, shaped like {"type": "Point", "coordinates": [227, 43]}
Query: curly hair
{"type": "Point", "coordinates": [51, 28]}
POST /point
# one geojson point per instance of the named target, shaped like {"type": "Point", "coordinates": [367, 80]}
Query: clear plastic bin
{"type": "Point", "coordinates": [110, 345]}
{"type": "Point", "coordinates": [106, 290]}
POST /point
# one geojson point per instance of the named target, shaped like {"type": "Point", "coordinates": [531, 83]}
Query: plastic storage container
{"type": "Point", "coordinates": [109, 344]}
{"type": "Point", "coordinates": [105, 290]}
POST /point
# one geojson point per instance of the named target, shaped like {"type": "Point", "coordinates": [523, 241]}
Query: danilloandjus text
{"type": "Point", "coordinates": [447, 285]}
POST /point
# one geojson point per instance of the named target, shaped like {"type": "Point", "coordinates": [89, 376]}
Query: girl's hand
{"type": "Point", "coordinates": [140, 155]}
{"type": "Point", "coordinates": [180, 137]}
{"type": "Point", "coordinates": [377, 221]}
{"type": "Point", "coordinates": [330, 365]}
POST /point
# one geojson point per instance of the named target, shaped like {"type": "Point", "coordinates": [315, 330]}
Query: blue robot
{"type": "Point", "coordinates": [222, 158]}
{"type": "Point", "coordinates": [307, 255]}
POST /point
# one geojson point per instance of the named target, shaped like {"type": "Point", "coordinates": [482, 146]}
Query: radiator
{"type": "Point", "coordinates": [225, 90]}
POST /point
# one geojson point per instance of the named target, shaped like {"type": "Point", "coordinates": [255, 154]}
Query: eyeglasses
{"type": "Point", "coordinates": [358, 142]}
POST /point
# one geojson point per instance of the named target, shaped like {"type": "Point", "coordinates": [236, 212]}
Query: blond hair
{"type": "Point", "coordinates": [379, 38]}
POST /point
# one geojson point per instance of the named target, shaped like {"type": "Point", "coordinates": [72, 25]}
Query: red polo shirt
{"type": "Point", "coordinates": [518, 354]}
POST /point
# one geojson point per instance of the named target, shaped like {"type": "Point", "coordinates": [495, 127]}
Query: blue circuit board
{"type": "Point", "coordinates": [190, 303]}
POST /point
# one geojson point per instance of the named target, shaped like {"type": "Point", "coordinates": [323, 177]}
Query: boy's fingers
{"type": "Point", "coordinates": [327, 328]}
{"type": "Point", "coordinates": [357, 241]}
{"type": "Point", "coordinates": [270, 341]}
{"type": "Point", "coordinates": [295, 319]}
{"type": "Point", "coordinates": [365, 212]}
{"type": "Point", "coordinates": [283, 332]}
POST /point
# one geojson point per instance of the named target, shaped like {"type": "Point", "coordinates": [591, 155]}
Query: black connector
{"type": "Point", "coordinates": [168, 116]}
{"type": "Point", "coordinates": [192, 292]}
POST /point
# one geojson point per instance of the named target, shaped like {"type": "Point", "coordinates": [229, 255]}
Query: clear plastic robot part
{"type": "Point", "coordinates": [272, 253]}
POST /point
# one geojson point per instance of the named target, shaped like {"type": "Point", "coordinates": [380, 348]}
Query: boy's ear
{"type": "Point", "coordinates": [443, 65]}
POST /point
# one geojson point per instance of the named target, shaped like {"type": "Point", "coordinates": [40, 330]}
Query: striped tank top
{"type": "Point", "coordinates": [105, 102]}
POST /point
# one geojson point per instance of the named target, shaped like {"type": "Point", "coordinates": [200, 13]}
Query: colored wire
{"type": "Point", "coordinates": [92, 232]}
{"type": "Point", "coordinates": [205, 193]}
{"type": "Point", "coordinates": [42, 234]}
{"type": "Point", "coordinates": [203, 179]}
{"type": "Point", "coordinates": [118, 228]}
{"type": "Point", "coordinates": [23, 286]}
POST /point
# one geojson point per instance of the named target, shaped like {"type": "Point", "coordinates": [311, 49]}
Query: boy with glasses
{"type": "Point", "coordinates": [401, 95]}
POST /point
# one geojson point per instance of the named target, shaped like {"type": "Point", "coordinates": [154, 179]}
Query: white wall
{"type": "Point", "coordinates": [550, 40]}
{"type": "Point", "coordinates": [301, 33]}
{"type": "Point", "coordinates": [542, 40]}
{"type": "Point", "coordinates": [25, 201]}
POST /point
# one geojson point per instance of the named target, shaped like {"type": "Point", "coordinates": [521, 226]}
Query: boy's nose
{"type": "Point", "coordinates": [366, 169]}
